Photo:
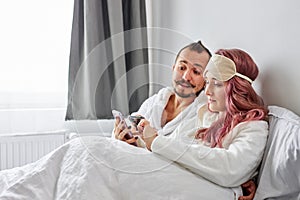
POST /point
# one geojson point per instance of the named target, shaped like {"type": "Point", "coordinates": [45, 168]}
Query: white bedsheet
{"type": "Point", "coordinates": [100, 168]}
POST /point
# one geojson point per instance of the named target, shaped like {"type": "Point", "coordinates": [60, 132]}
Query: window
{"type": "Point", "coordinates": [35, 45]}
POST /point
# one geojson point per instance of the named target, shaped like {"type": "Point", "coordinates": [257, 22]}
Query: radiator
{"type": "Point", "coordinates": [18, 150]}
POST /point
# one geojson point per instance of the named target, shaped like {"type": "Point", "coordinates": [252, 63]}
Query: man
{"type": "Point", "coordinates": [171, 106]}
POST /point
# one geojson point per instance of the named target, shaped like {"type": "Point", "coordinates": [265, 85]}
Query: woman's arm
{"type": "Point", "coordinates": [227, 167]}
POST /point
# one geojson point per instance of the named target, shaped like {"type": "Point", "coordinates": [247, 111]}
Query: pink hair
{"type": "Point", "coordinates": [243, 104]}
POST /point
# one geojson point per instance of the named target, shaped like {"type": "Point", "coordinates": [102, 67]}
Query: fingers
{"type": "Point", "coordinates": [247, 184]}
{"type": "Point", "coordinates": [144, 122]}
{"type": "Point", "coordinates": [248, 197]}
{"type": "Point", "coordinates": [250, 186]}
{"type": "Point", "coordinates": [133, 128]}
{"type": "Point", "coordinates": [118, 128]}
{"type": "Point", "coordinates": [123, 136]}
{"type": "Point", "coordinates": [122, 133]}
{"type": "Point", "coordinates": [137, 133]}
{"type": "Point", "coordinates": [135, 119]}
{"type": "Point", "coordinates": [142, 125]}
{"type": "Point", "coordinates": [132, 140]}
{"type": "Point", "coordinates": [249, 189]}
{"type": "Point", "coordinates": [117, 121]}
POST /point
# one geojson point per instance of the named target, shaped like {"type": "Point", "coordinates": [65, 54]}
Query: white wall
{"type": "Point", "coordinates": [268, 30]}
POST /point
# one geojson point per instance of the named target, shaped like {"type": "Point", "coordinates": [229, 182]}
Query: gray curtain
{"type": "Point", "coordinates": [108, 66]}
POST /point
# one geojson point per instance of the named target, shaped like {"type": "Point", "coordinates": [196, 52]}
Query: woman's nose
{"type": "Point", "coordinates": [207, 90]}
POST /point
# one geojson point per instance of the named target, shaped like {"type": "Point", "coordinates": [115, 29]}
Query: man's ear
{"type": "Point", "coordinates": [173, 67]}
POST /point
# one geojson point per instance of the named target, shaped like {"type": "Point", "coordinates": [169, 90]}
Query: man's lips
{"type": "Point", "coordinates": [185, 84]}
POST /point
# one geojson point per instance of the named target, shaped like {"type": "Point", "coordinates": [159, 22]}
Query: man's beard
{"type": "Point", "coordinates": [182, 95]}
{"type": "Point", "coordinates": [187, 85]}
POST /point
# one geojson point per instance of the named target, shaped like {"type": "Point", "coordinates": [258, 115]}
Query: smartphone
{"type": "Point", "coordinates": [135, 119]}
{"type": "Point", "coordinates": [122, 119]}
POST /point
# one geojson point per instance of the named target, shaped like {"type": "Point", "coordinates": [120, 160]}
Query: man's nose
{"type": "Point", "coordinates": [187, 75]}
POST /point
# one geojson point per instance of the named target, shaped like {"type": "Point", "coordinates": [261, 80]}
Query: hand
{"type": "Point", "coordinates": [249, 189]}
{"type": "Point", "coordinates": [135, 119]}
{"type": "Point", "coordinates": [149, 133]}
{"type": "Point", "coordinates": [142, 124]}
{"type": "Point", "coordinates": [124, 133]}
{"type": "Point", "coordinates": [118, 128]}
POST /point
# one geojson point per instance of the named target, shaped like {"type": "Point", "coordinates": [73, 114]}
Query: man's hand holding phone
{"type": "Point", "coordinates": [122, 130]}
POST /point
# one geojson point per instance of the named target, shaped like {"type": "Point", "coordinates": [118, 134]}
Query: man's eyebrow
{"type": "Point", "coordinates": [198, 65]}
{"type": "Point", "coordinates": [195, 64]}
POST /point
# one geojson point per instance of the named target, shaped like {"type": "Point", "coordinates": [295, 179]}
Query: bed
{"type": "Point", "coordinates": [87, 168]}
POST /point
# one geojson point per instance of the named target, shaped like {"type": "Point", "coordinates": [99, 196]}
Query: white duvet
{"type": "Point", "coordinates": [101, 168]}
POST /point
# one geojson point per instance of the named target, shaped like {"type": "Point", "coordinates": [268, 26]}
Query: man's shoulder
{"type": "Point", "coordinates": [164, 93]}
{"type": "Point", "coordinates": [165, 90]}
{"type": "Point", "coordinates": [159, 96]}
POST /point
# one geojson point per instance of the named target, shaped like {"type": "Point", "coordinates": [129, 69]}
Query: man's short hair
{"type": "Point", "coordinates": [195, 46]}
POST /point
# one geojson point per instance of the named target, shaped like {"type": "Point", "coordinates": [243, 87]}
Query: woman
{"type": "Point", "coordinates": [230, 150]}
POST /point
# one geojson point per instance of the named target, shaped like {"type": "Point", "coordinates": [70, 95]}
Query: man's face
{"type": "Point", "coordinates": [188, 73]}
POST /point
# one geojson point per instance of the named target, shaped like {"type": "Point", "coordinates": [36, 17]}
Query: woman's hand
{"type": "Point", "coordinates": [249, 189]}
{"type": "Point", "coordinates": [149, 133]}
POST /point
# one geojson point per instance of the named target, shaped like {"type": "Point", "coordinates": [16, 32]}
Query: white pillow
{"type": "Point", "coordinates": [279, 175]}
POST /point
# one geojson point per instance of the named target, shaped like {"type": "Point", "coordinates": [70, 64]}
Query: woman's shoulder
{"type": "Point", "coordinates": [255, 127]}
{"type": "Point", "coordinates": [251, 131]}
{"type": "Point", "coordinates": [254, 123]}
{"type": "Point", "coordinates": [206, 117]}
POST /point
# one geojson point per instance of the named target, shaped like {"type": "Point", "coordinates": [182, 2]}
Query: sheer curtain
{"type": "Point", "coordinates": [108, 59]}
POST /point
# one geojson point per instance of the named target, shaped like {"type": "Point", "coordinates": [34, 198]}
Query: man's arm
{"type": "Point", "coordinates": [143, 110]}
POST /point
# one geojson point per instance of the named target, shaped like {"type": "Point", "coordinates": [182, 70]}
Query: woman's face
{"type": "Point", "coordinates": [215, 92]}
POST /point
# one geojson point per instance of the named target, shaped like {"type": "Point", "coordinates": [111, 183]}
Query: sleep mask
{"type": "Point", "coordinates": [223, 68]}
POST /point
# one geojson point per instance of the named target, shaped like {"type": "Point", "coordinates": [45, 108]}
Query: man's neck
{"type": "Point", "coordinates": [181, 103]}
{"type": "Point", "coordinates": [174, 107]}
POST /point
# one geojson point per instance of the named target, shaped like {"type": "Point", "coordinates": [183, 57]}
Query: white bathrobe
{"type": "Point", "coordinates": [153, 107]}
{"type": "Point", "coordinates": [229, 166]}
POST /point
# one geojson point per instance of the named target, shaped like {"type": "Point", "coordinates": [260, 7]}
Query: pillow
{"type": "Point", "coordinates": [279, 175]}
